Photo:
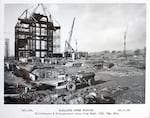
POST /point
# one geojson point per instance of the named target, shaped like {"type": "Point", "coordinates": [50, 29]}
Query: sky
{"type": "Point", "coordinates": [97, 27]}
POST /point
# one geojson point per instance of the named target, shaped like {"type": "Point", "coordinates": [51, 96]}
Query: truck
{"type": "Point", "coordinates": [70, 82]}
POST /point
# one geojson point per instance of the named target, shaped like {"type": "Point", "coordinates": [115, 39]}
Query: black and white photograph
{"type": "Point", "coordinates": [59, 53]}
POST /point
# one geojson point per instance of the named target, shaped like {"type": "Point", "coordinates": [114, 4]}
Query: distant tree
{"type": "Point", "coordinates": [113, 51]}
{"type": "Point", "coordinates": [137, 52]}
{"type": "Point", "coordinates": [106, 51]}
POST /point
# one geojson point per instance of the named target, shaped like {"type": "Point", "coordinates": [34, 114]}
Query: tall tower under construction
{"type": "Point", "coordinates": [6, 48]}
{"type": "Point", "coordinates": [36, 35]}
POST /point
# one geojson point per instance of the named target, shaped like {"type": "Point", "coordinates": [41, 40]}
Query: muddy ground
{"type": "Point", "coordinates": [124, 83]}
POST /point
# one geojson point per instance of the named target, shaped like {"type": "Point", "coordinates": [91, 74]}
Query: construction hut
{"type": "Point", "coordinates": [36, 34]}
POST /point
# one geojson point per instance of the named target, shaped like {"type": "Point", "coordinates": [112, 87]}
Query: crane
{"type": "Point", "coordinates": [68, 47]}
{"type": "Point", "coordinates": [125, 37]}
{"type": "Point", "coordinates": [70, 36]}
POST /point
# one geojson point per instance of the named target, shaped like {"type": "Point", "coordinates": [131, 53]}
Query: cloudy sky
{"type": "Point", "coordinates": [97, 27]}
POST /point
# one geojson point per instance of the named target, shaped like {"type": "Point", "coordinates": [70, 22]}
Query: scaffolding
{"type": "Point", "coordinates": [36, 35]}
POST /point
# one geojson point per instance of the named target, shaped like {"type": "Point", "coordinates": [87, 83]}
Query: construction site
{"type": "Point", "coordinates": [40, 74]}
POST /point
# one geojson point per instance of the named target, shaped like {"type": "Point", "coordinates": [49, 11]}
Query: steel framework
{"type": "Point", "coordinates": [35, 35]}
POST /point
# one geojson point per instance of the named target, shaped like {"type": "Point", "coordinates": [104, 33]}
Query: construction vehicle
{"type": "Point", "coordinates": [70, 82]}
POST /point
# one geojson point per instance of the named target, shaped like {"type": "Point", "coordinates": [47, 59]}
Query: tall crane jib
{"type": "Point", "coordinates": [125, 38]}
{"type": "Point", "coordinates": [70, 36]}
{"type": "Point", "coordinates": [68, 47]}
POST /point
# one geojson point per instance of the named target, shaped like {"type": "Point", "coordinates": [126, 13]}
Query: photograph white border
{"type": "Point", "coordinates": [125, 111]}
